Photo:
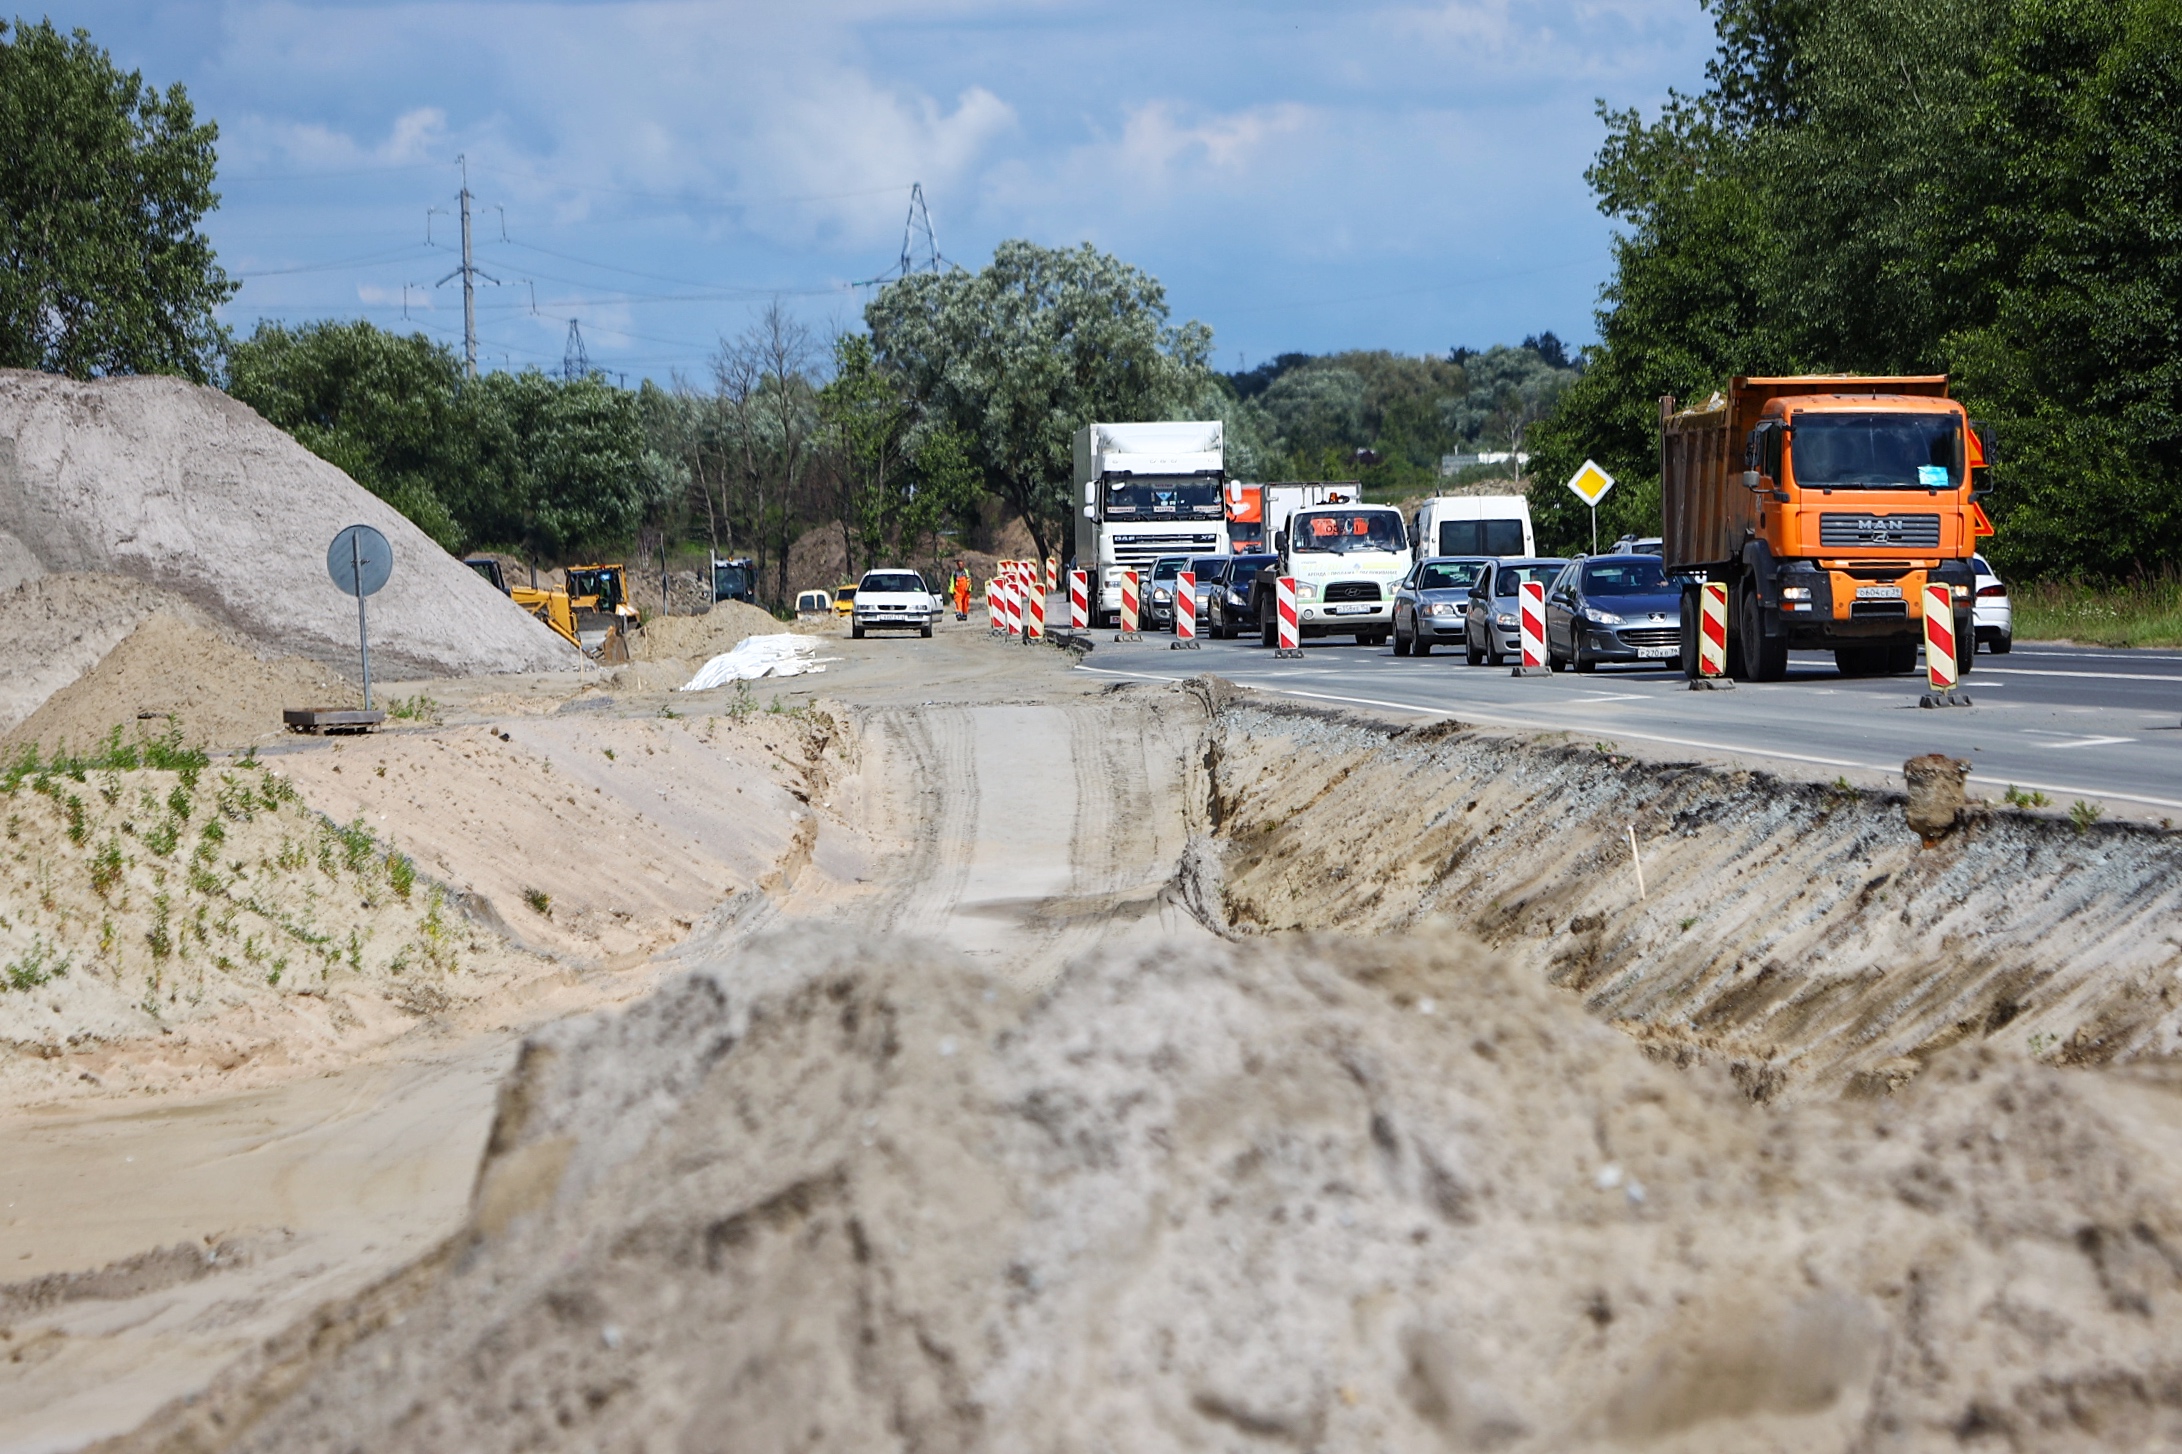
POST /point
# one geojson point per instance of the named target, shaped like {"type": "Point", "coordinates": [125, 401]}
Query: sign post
{"type": "Point", "coordinates": [360, 562]}
{"type": "Point", "coordinates": [1590, 485]}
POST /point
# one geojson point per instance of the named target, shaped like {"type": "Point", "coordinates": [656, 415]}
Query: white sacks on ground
{"type": "Point", "coordinates": [782, 655]}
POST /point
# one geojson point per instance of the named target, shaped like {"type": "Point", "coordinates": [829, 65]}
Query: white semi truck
{"type": "Point", "coordinates": [1144, 491]}
{"type": "Point", "coordinates": [1347, 557]}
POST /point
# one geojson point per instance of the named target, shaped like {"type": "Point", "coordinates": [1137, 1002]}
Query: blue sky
{"type": "Point", "coordinates": [1311, 177]}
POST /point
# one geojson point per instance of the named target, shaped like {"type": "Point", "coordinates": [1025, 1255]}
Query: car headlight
{"type": "Point", "coordinates": [1962, 593]}
{"type": "Point", "coordinates": [1795, 593]}
{"type": "Point", "coordinates": [1305, 591]}
{"type": "Point", "coordinates": [1602, 618]}
{"type": "Point", "coordinates": [1505, 618]}
{"type": "Point", "coordinates": [1162, 594]}
{"type": "Point", "coordinates": [1442, 608]}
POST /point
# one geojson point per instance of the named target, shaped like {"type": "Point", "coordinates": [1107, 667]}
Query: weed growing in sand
{"type": "Point", "coordinates": [280, 967]}
{"type": "Point", "coordinates": [179, 804]}
{"type": "Point", "coordinates": [1687, 922]}
{"type": "Point", "coordinates": [163, 836]}
{"type": "Point", "coordinates": [357, 845]}
{"type": "Point", "coordinates": [39, 966]}
{"type": "Point", "coordinates": [541, 902]}
{"type": "Point", "coordinates": [419, 708]}
{"type": "Point", "coordinates": [670, 714]}
{"type": "Point", "coordinates": [106, 867]}
{"type": "Point", "coordinates": [401, 874]}
{"type": "Point", "coordinates": [2017, 798]}
{"type": "Point", "coordinates": [160, 936]}
{"type": "Point", "coordinates": [746, 702]}
{"type": "Point", "coordinates": [106, 936]}
{"type": "Point", "coordinates": [77, 826]}
{"type": "Point", "coordinates": [2041, 1041]}
{"type": "Point", "coordinates": [609, 753]}
{"type": "Point", "coordinates": [15, 825]}
{"type": "Point", "coordinates": [356, 952]}
{"type": "Point", "coordinates": [2083, 814]}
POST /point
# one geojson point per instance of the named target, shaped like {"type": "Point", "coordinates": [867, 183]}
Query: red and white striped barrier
{"type": "Point", "coordinates": [1530, 620]}
{"type": "Point", "coordinates": [1185, 612]}
{"type": "Point", "coordinates": [1290, 630]}
{"type": "Point", "coordinates": [1034, 615]}
{"type": "Point", "coordinates": [992, 607]}
{"type": "Point", "coordinates": [1011, 604]}
{"type": "Point", "coordinates": [1053, 574]}
{"type": "Point", "coordinates": [1130, 603]}
{"type": "Point", "coordinates": [1712, 629]}
{"type": "Point", "coordinates": [1079, 600]}
{"type": "Point", "coordinates": [1942, 668]}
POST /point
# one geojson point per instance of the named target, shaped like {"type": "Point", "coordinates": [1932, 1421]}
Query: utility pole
{"type": "Point", "coordinates": [469, 274]}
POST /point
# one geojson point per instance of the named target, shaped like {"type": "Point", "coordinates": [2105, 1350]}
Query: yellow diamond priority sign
{"type": "Point", "coordinates": [1590, 484]}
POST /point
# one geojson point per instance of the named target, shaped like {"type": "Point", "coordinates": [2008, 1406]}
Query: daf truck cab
{"type": "Point", "coordinates": [1144, 491]}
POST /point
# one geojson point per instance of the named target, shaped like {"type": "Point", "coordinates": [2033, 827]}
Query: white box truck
{"type": "Point", "coordinates": [1346, 556]}
{"type": "Point", "coordinates": [1473, 525]}
{"type": "Point", "coordinates": [1144, 491]}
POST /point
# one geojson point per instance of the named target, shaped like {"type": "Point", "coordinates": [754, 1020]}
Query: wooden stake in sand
{"type": "Point", "coordinates": [1639, 862]}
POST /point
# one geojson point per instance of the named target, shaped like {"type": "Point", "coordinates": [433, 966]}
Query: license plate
{"type": "Point", "coordinates": [1878, 593]}
{"type": "Point", "coordinates": [1349, 610]}
{"type": "Point", "coordinates": [1657, 653]}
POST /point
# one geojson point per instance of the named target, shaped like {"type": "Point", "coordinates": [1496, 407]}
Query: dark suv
{"type": "Point", "coordinates": [1229, 611]}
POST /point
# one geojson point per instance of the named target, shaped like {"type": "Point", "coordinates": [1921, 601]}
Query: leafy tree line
{"type": "Point", "coordinates": [1988, 188]}
{"type": "Point", "coordinates": [1387, 418]}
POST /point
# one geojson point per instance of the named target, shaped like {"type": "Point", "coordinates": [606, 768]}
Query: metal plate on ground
{"type": "Point", "coordinates": [330, 719]}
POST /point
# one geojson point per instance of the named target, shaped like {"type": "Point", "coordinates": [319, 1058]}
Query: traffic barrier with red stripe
{"type": "Point", "coordinates": [1943, 670]}
{"type": "Point", "coordinates": [1011, 603]}
{"type": "Point", "coordinates": [1053, 574]}
{"type": "Point", "coordinates": [1712, 629]}
{"type": "Point", "coordinates": [1185, 612]}
{"type": "Point", "coordinates": [1034, 614]}
{"type": "Point", "coordinates": [1531, 627]}
{"type": "Point", "coordinates": [1130, 602]}
{"type": "Point", "coordinates": [1079, 600]}
{"type": "Point", "coordinates": [1290, 632]}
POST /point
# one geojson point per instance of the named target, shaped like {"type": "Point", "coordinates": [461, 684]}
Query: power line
{"type": "Point", "coordinates": [469, 273]}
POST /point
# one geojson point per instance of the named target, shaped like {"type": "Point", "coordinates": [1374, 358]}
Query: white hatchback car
{"type": "Point", "coordinates": [1993, 614]}
{"type": "Point", "coordinates": [892, 600]}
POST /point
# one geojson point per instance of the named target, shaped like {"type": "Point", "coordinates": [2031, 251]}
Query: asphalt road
{"type": "Point", "coordinates": [2071, 722]}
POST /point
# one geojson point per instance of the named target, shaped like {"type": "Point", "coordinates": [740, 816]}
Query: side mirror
{"type": "Point", "coordinates": [1280, 542]}
{"type": "Point", "coordinates": [1753, 481]}
{"type": "Point", "coordinates": [1090, 512]}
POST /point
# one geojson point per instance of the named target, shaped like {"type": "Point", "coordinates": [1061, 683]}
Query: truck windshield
{"type": "Point", "coordinates": [1646, 577]}
{"type": "Point", "coordinates": [1874, 451]}
{"type": "Point", "coordinates": [1349, 531]}
{"type": "Point", "coordinates": [1182, 495]}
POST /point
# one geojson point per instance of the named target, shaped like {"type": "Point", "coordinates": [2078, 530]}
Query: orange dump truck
{"type": "Point", "coordinates": [1826, 504]}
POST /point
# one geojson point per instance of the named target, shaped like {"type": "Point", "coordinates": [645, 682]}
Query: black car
{"type": "Point", "coordinates": [1228, 612]}
{"type": "Point", "coordinates": [1614, 608]}
{"type": "Point", "coordinates": [1431, 603]}
{"type": "Point", "coordinates": [1491, 631]}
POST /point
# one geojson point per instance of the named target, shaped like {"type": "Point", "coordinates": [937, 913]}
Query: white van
{"type": "Point", "coordinates": [1473, 525]}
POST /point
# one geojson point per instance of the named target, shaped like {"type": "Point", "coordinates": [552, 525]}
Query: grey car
{"type": "Point", "coordinates": [1492, 631]}
{"type": "Point", "coordinates": [1158, 588]}
{"type": "Point", "coordinates": [1432, 602]}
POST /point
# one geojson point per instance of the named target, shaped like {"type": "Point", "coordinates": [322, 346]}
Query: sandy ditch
{"type": "Point", "coordinates": [846, 1194]}
{"type": "Point", "coordinates": [1798, 933]}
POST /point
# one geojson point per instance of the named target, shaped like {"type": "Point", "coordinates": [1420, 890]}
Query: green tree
{"type": "Point", "coordinates": [1020, 355]}
{"type": "Point", "coordinates": [567, 473]}
{"type": "Point", "coordinates": [384, 408]}
{"type": "Point", "coordinates": [102, 267]}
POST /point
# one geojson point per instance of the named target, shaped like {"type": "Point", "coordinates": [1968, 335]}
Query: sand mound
{"type": "Point", "coordinates": [183, 488]}
{"type": "Point", "coordinates": [851, 1195]}
{"type": "Point", "coordinates": [55, 628]}
{"type": "Point", "coordinates": [700, 638]}
{"type": "Point", "coordinates": [218, 694]}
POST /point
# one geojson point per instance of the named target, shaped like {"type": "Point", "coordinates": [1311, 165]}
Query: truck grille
{"type": "Point", "coordinates": [1651, 635]}
{"type": "Point", "coordinates": [1879, 610]}
{"type": "Point", "coordinates": [1352, 591]}
{"type": "Point", "coordinates": [1137, 552]}
{"type": "Point", "coordinates": [1846, 532]}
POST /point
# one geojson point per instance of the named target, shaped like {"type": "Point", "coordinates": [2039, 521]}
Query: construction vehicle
{"type": "Point", "coordinates": [1826, 504]}
{"type": "Point", "coordinates": [1346, 558]}
{"type": "Point", "coordinates": [1245, 518]}
{"type": "Point", "coordinates": [598, 599]}
{"type": "Point", "coordinates": [1145, 491]}
{"type": "Point", "coordinates": [735, 579]}
{"type": "Point", "coordinates": [489, 570]}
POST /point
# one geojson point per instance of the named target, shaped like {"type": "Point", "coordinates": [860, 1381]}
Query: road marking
{"type": "Point", "coordinates": [2076, 742]}
{"type": "Point", "coordinates": [2097, 676]}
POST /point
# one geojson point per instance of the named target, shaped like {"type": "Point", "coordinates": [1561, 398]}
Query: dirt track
{"type": "Point", "coordinates": [967, 1078]}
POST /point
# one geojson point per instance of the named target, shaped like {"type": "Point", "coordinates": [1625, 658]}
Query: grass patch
{"type": "Point", "coordinates": [2143, 612]}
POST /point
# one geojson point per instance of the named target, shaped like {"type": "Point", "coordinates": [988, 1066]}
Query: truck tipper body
{"type": "Point", "coordinates": [1144, 491]}
{"type": "Point", "coordinates": [1826, 504]}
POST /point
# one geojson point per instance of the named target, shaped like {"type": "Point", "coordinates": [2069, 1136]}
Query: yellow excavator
{"type": "Point", "coordinates": [593, 614]}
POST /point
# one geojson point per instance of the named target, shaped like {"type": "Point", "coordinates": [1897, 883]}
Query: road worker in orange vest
{"type": "Point", "coordinates": [962, 591]}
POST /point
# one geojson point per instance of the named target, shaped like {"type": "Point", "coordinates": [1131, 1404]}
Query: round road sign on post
{"type": "Point", "coordinates": [361, 562]}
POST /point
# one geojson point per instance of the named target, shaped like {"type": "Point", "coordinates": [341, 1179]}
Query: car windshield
{"type": "Point", "coordinates": [1449, 575]}
{"type": "Point", "coordinates": [893, 580]}
{"type": "Point", "coordinates": [1182, 495]}
{"type": "Point", "coordinates": [1349, 531]}
{"type": "Point", "coordinates": [1641, 577]}
{"type": "Point", "coordinates": [1209, 568]}
{"type": "Point", "coordinates": [1167, 569]}
{"type": "Point", "coordinates": [1510, 578]}
{"type": "Point", "coordinates": [1874, 451]}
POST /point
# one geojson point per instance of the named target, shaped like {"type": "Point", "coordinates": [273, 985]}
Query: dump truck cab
{"type": "Point", "coordinates": [1827, 504]}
